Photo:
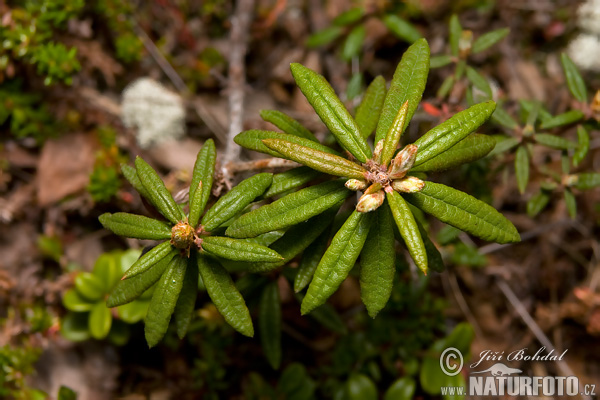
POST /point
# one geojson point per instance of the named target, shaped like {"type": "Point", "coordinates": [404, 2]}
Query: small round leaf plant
{"type": "Point", "coordinates": [191, 244]}
{"type": "Point", "coordinates": [391, 180]}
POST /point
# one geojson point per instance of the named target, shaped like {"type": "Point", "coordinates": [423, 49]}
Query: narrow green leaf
{"type": "Point", "coordinates": [489, 39]}
{"type": "Point", "coordinates": [338, 260]}
{"type": "Point", "coordinates": [503, 118]}
{"type": "Point", "coordinates": [575, 81]}
{"type": "Point", "coordinates": [269, 324]}
{"type": "Point", "coordinates": [408, 84]}
{"type": "Point", "coordinates": [289, 180]}
{"type": "Point", "coordinates": [187, 298]}
{"type": "Point", "coordinates": [89, 286]}
{"type": "Point", "coordinates": [310, 260]}
{"type": "Point", "coordinates": [225, 295]}
{"type": "Point", "coordinates": [478, 81]}
{"type": "Point", "coordinates": [130, 289]}
{"type": "Point", "coordinates": [439, 61]}
{"type": "Point", "coordinates": [390, 143]}
{"type": "Point", "coordinates": [401, 28]}
{"type": "Point", "coordinates": [331, 110]}
{"type": "Point", "coordinates": [349, 17]}
{"type": "Point", "coordinates": [503, 144]}
{"type": "Point", "coordinates": [553, 141]}
{"type": "Point", "coordinates": [252, 140]}
{"type": "Point", "coordinates": [324, 37]}
{"type": "Point", "coordinates": [164, 301]}
{"type": "Point", "coordinates": [149, 259]}
{"type": "Point", "coordinates": [455, 33]}
{"type": "Point", "coordinates": [369, 110]}
{"type": "Point", "coordinates": [236, 200]}
{"type": "Point", "coordinates": [464, 212]}
{"type": "Point", "coordinates": [522, 168]}
{"type": "Point", "coordinates": [571, 203]}
{"type": "Point", "coordinates": [159, 195]}
{"type": "Point", "coordinates": [537, 203]}
{"type": "Point", "coordinates": [297, 238]}
{"type": "Point", "coordinates": [445, 87]}
{"type": "Point", "coordinates": [135, 226]}
{"type": "Point", "coordinates": [238, 250]}
{"type": "Point", "coordinates": [131, 175]}
{"type": "Point", "coordinates": [471, 148]}
{"type": "Point", "coordinates": [289, 210]}
{"type": "Point", "coordinates": [378, 262]}
{"type": "Point", "coordinates": [318, 160]}
{"type": "Point", "coordinates": [435, 261]}
{"type": "Point", "coordinates": [353, 43]}
{"type": "Point", "coordinates": [73, 301]}
{"type": "Point", "coordinates": [354, 86]}
{"type": "Point", "coordinates": [202, 180]}
{"type": "Point", "coordinates": [287, 124]}
{"type": "Point", "coordinates": [100, 321]}
{"type": "Point", "coordinates": [583, 145]}
{"type": "Point", "coordinates": [452, 131]}
{"type": "Point", "coordinates": [587, 180]}
{"type": "Point", "coordinates": [563, 119]}
{"type": "Point", "coordinates": [409, 230]}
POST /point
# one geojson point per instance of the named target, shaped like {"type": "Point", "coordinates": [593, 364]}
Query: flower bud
{"type": "Point", "coordinates": [403, 161]}
{"type": "Point", "coordinates": [570, 180]}
{"type": "Point", "coordinates": [355, 184]}
{"type": "Point", "coordinates": [410, 184]}
{"type": "Point", "coordinates": [182, 235]}
{"type": "Point", "coordinates": [370, 202]}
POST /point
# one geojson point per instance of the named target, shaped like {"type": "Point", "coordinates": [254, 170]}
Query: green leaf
{"type": "Point", "coordinates": [503, 118]}
{"type": "Point", "coordinates": [64, 393]}
{"type": "Point", "coordinates": [74, 302]}
{"type": "Point", "coordinates": [583, 145]}
{"type": "Point", "coordinates": [129, 289]}
{"type": "Point", "coordinates": [431, 376]}
{"type": "Point", "coordinates": [253, 140]}
{"type": "Point", "coordinates": [338, 260]}
{"type": "Point", "coordinates": [452, 131]}
{"type": "Point", "coordinates": [100, 321]}
{"type": "Point", "coordinates": [164, 300]}
{"type": "Point", "coordinates": [289, 210]}
{"type": "Point", "coordinates": [287, 124]}
{"type": "Point", "coordinates": [445, 87]}
{"type": "Point", "coordinates": [108, 267]}
{"type": "Point", "coordinates": [575, 81]}
{"type": "Point", "coordinates": [159, 195]}
{"type": "Point", "coordinates": [409, 230]}
{"type": "Point", "coordinates": [354, 86]}
{"type": "Point", "coordinates": [310, 260]}
{"type": "Point", "coordinates": [74, 327]}
{"type": "Point", "coordinates": [131, 175]}
{"type": "Point", "coordinates": [471, 148]}
{"type": "Point", "coordinates": [236, 200]}
{"type": "Point", "coordinates": [401, 389]}
{"type": "Point", "coordinates": [401, 28]}
{"type": "Point", "coordinates": [553, 141]}
{"type": "Point", "coordinates": [318, 160]}
{"type": "Point", "coordinates": [328, 317]}
{"type": "Point", "coordinates": [349, 17]}
{"type": "Point", "coordinates": [238, 250]}
{"type": "Point", "coordinates": [133, 312]}
{"type": "Point", "coordinates": [571, 203]}
{"type": "Point", "coordinates": [407, 84]}
{"type": "Point", "coordinates": [439, 61]}
{"type": "Point", "coordinates": [392, 138]}
{"type": "Point", "coordinates": [289, 180]}
{"type": "Point", "coordinates": [225, 296]}
{"type": "Point", "coordinates": [269, 324]}
{"type": "Point", "coordinates": [353, 43]}
{"type": "Point", "coordinates": [186, 302]}
{"type": "Point", "coordinates": [361, 387]}
{"type": "Point", "coordinates": [435, 261]}
{"type": "Point", "coordinates": [537, 203]}
{"type": "Point", "coordinates": [478, 81]}
{"type": "Point", "coordinates": [503, 144]}
{"type": "Point", "coordinates": [489, 39]}
{"type": "Point", "coordinates": [89, 286]}
{"type": "Point", "coordinates": [119, 333]}
{"type": "Point", "coordinates": [149, 259]}
{"type": "Point", "coordinates": [464, 212]}
{"type": "Point", "coordinates": [297, 238]}
{"type": "Point", "coordinates": [331, 110]}
{"type": "Point", "coordinates": [587, 180]}
{"type": "Point", "coordinates": [369, 110]}
{"type": "Point", "coordinates": [378, 262]}
{"type": "Point", "coordinates": [202, 181]}
{"type": "Point", "coordinates": [324, 37]}
{"type": "Point", "coordinates": [455, 33]}
{"type": "Point", "coordinates": [135, 226]}
{"type": "Point", "coordinates": [563, 119]}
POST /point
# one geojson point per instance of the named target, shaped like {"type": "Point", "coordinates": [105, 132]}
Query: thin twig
{"type": "Point", "coordinates": [462, 303]}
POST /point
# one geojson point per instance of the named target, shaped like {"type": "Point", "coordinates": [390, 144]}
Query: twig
{"type": "Point", "coordinates": [564, 368]}
{"type": "Point", "coordinates": [462, 303]}
{"type": "Point", "coordinates": [266, 163]}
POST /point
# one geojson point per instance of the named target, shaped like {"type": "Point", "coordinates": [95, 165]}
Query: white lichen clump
{"type": "Point", "coordinates": [588, 16]}
{"type": "Point", "coordinates": [156, 113]}
{"type": "Point", "coordinates": [585, 48]}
